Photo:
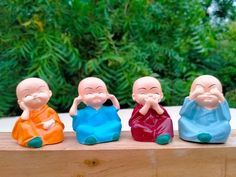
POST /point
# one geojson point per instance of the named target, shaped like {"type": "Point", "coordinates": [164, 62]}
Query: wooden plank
{"type": "Point", "coordinates": [124, 158]}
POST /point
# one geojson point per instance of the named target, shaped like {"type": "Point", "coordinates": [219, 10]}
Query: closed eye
{"type": "Point", "coordinates": [212, 85]}
{"type": "Point", "coordinates": [200, 85]}
{"type": "Point", "coordinates": [27, 96]}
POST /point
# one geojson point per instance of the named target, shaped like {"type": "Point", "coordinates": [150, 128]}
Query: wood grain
{"type": "Point", "coordinates": [124, 158]}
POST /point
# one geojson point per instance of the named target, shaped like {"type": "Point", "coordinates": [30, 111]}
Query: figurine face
{"type": "Point", "coordinates": [33, 92]}
{"type": "Point", "coordinates": [208, 88]}
{"type": "Point", "coordinates": [93, 91]}
{"type": "Point", "coordinates": [147, 87]}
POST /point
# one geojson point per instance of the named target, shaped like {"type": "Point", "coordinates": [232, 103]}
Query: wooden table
{"type": "Point", "coordinates": [124, 158]}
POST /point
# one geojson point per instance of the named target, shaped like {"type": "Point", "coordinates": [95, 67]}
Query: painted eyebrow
{"type": "Point", "coordinates": [98, 87]}
{"type": "Point", "coordinates": [200, 85]}
{"type": "Point", "coordinates": [88, 88]}
{"type": "Point", "coordinates": [142, 88]}
{"type": "Point", "coordinates": [211, 85]}
{"type": "Point", "coordinates": [153, 88]}
{"type": "Point", "coordinates": [26, 90]}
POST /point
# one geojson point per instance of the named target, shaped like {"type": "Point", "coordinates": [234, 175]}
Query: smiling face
{"type": "Point", "coordinates": [34, 92]}
{"type": "Point", "coordinates": [207, 84]}
{"type": "Point", "coordinates": [146, 87]}
{"type": "Point", "coordinates": [93, 91]}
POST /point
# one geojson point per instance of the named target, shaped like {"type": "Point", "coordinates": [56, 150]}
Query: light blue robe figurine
{"type": "Point", "coordinates": [205, 114]}
{"type": "Point", "coordinates": [95, 123]}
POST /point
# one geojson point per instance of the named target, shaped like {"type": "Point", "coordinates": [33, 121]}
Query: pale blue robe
{"type": "Point", "coordinates": [196, 119]}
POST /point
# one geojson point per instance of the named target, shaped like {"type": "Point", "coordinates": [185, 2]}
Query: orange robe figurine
{"type": "Point", "coordinates": [39, 124]}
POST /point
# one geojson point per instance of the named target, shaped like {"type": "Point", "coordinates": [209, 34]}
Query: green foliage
{"type": "Point", "coordinates": [225, 9]}
{"type": "Point", "coordinates": [226, 66]}
{"type": "Point", "coordinates": [119, 41]}
{"type": "Point", "coordinates": [231, 97]}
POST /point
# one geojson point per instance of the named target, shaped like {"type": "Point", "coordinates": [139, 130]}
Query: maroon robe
{"type": "Point", "coordinates": [148, 127]}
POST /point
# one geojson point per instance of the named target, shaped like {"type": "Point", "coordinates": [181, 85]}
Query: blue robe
{"type": "Point", "coordinates": [196, 119]}
{"type": "Point", "coordinates": [102, 124]}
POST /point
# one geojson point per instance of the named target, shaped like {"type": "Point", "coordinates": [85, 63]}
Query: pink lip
{"type": "Point", "coordinates": [208, 99]}
{"type": "Point", "coordinates": [36, 99]}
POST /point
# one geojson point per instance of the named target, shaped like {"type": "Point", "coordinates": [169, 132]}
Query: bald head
{"type": "Point", "coordinates": [146, 81]}
{"type": "Point", "coordinates": [30, 84]}
{"type": "Point", "coordinates": [91, 83]}
{"type": "Point", "coordinates": [206, 81]}
{"type": "Point", "coordinates": [145, 87]}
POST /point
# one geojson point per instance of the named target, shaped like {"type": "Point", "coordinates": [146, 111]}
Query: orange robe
{"type": "Point", "coordinates": [25, 130]}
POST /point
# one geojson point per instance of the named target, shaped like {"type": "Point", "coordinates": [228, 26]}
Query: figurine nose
{"type": "Point", "coordinates": [34, 95]}
{"type": "Point", "coordinates": [150, 95]}
{"type": "Point", "coordinates": [96, 95]}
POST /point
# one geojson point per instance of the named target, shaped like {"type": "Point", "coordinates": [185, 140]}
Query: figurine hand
{"type": "Point", "coordinates": [155, 105]}
{"type": "Point", "coordinates": [217, 93]}
{"type": "Point", "coordinates": [149, 101]}
{"type": "Point", "coordinates": [23, 106]}
{"type": "Point", "coordinates": [157, 98]}
{"type": "Point", "coordinates": [48, 124]}
{"type": "Point", "coordinates": [110, 96]}
{"type": "Point", "coordinates": [114, 100]}
{"type": "Point", "coordinates": [146, 106]}
{"type": "Point", "coordinates": [198, 91]}
{"type": "Point", "coordinates": [154, 102]}
{"type": "Point", "coordinates": [25, 114]}
{"type": "Point", "coordinates": [73, 108]}
{"type": "Point", "coordinates": [77, 100]}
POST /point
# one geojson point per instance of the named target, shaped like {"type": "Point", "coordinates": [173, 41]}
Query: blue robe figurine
{"type": "Point", "coordinates": [97, 126]}
{"type": "Point", "coordinates": [199, 124]}
{"type": "Point", "coordinates": [95, 123]}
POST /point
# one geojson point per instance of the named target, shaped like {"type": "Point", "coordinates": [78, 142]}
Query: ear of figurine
{"type": "Point", "coordinates": [49, 93]}
{"type": "Point", "coordinates": [81, 96]}
{"type": "Point", "coordinates": [161, 94]}
{"type": "Point", "coordinates": [161, 97]}
{"type": "Point", "coordinates": [134, 96]}
{"type": "Point", "coordinates": [22, 105]}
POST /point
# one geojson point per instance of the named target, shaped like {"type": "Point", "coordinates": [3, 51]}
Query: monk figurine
{"type": "Point", "coordinates": [39, 124]}
{"type": "Point", "coordinates": [150, 122]}
{"type": "Point", "coordinates": [205, 113]}
{"type": "Point", "coordinates": [95, 123]}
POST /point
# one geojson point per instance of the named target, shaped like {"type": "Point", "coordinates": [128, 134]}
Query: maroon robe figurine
{"type": "Point", "coordinates": [150, 122]}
